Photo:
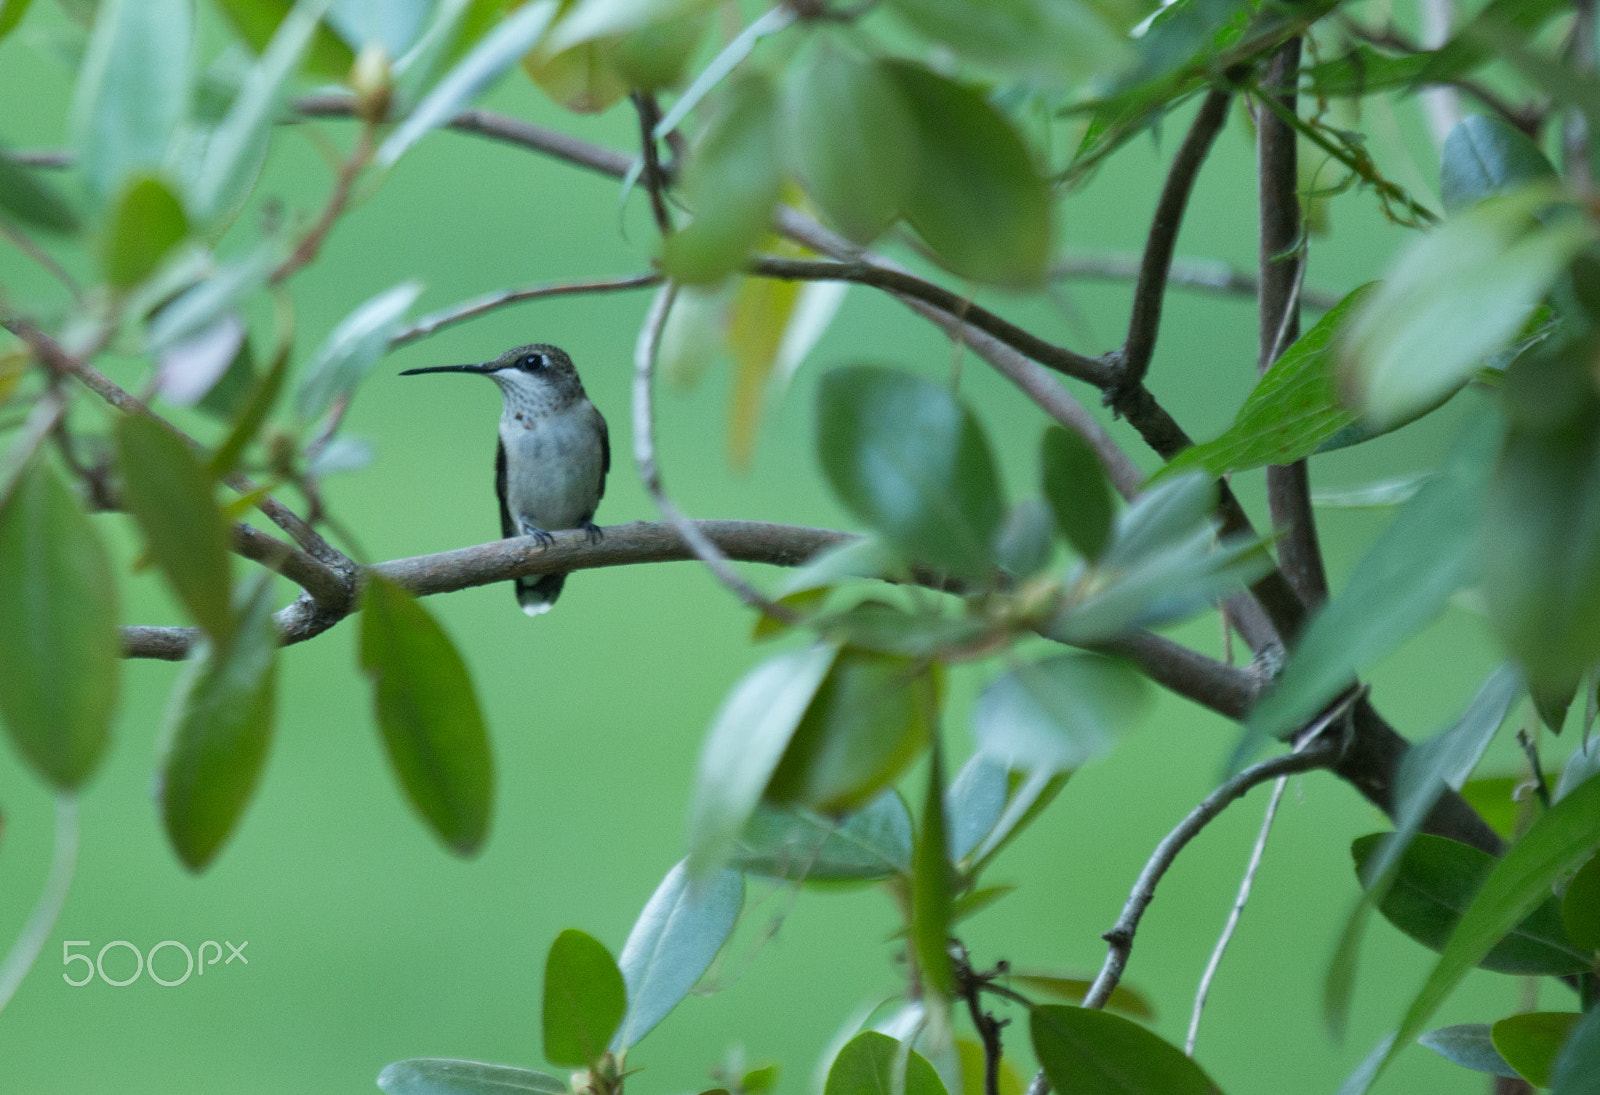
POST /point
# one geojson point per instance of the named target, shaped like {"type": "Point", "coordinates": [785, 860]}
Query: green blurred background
{"type": "Point", "coordinates": [367, 943]}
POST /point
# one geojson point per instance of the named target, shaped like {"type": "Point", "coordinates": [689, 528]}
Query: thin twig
{"type": "Point", "coordinates": [434, 322]}
{"type": "Point", "coordinates": [311, 243]}
{"type": "Point", "coordinates": [25, 243]}
{"type": "Point", "coordinates": [654, 179]}
{"type": "Point", "coordinates": [1530, 749]}
{"type": "Point", "coordinates": [40, 423]}
{"type": "Point", "coordinates": [1150, 289]}
{"type": "Point", "coordinates": [1239, 902]}
{"type": "Point", "coordinates": [644, 458]}
{"type": "Point", "coordinates": [969, 983]}
{"type": "Point", "coordinates": [42, 920]}
{"type": "Point", "coordinates": [1200, 274]}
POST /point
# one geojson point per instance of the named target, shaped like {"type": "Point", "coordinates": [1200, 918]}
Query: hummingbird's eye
{"type": "Point", "coordinates": [531, 362]}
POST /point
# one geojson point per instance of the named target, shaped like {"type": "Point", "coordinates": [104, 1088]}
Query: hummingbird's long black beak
{"type": "Point", "coordinates": [481, 368]}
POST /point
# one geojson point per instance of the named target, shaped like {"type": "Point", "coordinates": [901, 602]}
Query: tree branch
{"type": "Point", "coordinates": [1151, 287]}
{"type": "Point", "coordinates": [1281, 263]}
{"type": "Point", "coordinates": [1205, 275]}
{"type": "Point", "coordinates": [434, 322]}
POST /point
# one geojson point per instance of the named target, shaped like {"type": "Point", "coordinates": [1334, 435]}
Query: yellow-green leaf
{"type": "Point", "coordinates": [146, 224]}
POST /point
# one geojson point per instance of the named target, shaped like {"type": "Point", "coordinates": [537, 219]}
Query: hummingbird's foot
{"type": "Point", "coordinates": [528, 528]}
{"type": "Point", "coordinates": [592, 532]}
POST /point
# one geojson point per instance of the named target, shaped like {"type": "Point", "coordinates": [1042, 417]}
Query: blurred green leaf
{"type": "Point", "coordinates": [11, 12]}
{"type": "Point", "coordinates": [1402, 582]}
{"type": "Point", "coordinates": [218, 731]}
{"type": "Point", "coordinates": [758, 317]}
{"type": "Point", "coordinates": [199, 306]}
{"type": "Point", "coordinates": [1122, 999]}
{"type": "Point", "coordinates": [672, 944]}
{"type": "Point", "coordinates": [747, 738]}
{"type": "Point", "coordinates": [582, 78]}
{"type": "Point", "coordinates": [1075, 486]}
{"type": "Point", "coordinates": [257, 20]}
{"type": "Point", "coordinates": [1580, 907]}
{"type": "Point", "coordinates": [1556, 844]}
{"type": "Point", "coordinates": [238, 146]}
{"type": "Point", "coordinates": [1577, 1070]}
{"type": "Point", "coordinates": [1491, 797]}
{"type": "Point", "coordinates": [1040, 38]}
{"type": "Point", "coordinates": [657, 56]}
{"type": "Point", "coordinates": [350, 351]}
{"type": "Point", "coordinates": [486, 62]}
{"type": "Point", "coordinates": [1165, 516]}
{"type": "Point", "coordinates": [584, 1000]}
{"type": "Point", "coordinates": [1295, 407]}
{"type": "Point", "coordinates": [58, 630]}
{"type": "Point", "coordinates": [1436, 879]}
{"type": "Point", "coordinates": [1055, 714]}
{"type": "Point", "coordinates": [1470, 1046]}
{"type": "Point", "coordinates": [588, 20]}
{"type": "Point", "coordinates": [1030, 793]}
{"type": "Point", "coordinates": [853, 140]}
{"type": "Point", "coordinates": [932, 889]}
{"type": "Point", "coordinates": [866, 723]}
{"type": "Point", "coordinates": [147, 222]}
{"type": "Point", "coordinates": [973, 1064]}
{"type": "Point", "coordinates": [133, 88]}
{"type": "Point", "coordinates": [977, 199]}
{"type": "Point", "coordinates": [867, 1065]}
{"type": "Point", "coordinates": [173, 497]}
{"type": "Point", "coordinates": [392, 24]}
{"type": "Point", "coordinates": [909, 460]}
{"type": "Point", "coordinates": [1486, 156]}
{"type": "Point", "coordinates": [257, 406]}
{"type": "Point", "coordinates": [31, 201]}
{"type": "Point", "coordinates": [974, 802]}
{"type": "Point", "coordinates": [1454, 298]}
{"type": "Point", "coordinates": [885, 628]}
{"type": "Point", "coordinates": [732, 182]}
{"type": "Point", "coordinates": [857, 557]}
{"type": "Point", "coordinates": [1085, 1052]}
{"type": "Point", "coordinates": [1529, 1042]}
{"type": "Point", "coordinates": [1583, 765]}
{"type": "Point", "coordinates": [427, 710]}
{"type": "Point", "coordinates": [1024, 545]}
{"type": "Point", "coordinates": [759, 1081]}
{"type": "Point", "coordinates": [443, 1076]}
{"type": "Point", "coordinates": [798, 845]}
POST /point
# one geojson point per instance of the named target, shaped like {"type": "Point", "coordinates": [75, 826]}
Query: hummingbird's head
{"type": "Point", "coordinates": [535, 379]}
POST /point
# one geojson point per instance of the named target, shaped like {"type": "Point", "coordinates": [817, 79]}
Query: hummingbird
{"type": "Point", "coordinates": [551, 457]}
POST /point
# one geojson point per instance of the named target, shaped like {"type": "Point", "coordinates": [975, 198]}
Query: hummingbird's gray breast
{"type": "Point", "coordinates": [554, 464]}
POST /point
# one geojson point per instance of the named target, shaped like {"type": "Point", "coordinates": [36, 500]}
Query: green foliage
{"type": "Point", "coordinates": [352, 348]}
{"type": "Point", "coordinates": [871, 1064]}
{"type": "Point", "coordinates": [1577, 1069]}
{"type": "Point", "coordinates": [1087, 1052]}
{"type": "Point", "coordinates": [32, 201]}
{"type": "Point", "coordinates": [931, 895]}
{"type": "Point", "coordinates": [1580, 907]}
{"type": "Point", "coordinates": [1483, 157]}
{"type": "Point", "coordinates": [427, 710]}
{"type": "Point", "coordinates": [256, 21]}
{"type": "Point", "coordinates": [146, 224]}
{"type": "Point", "coordinates": [58, 631]}
{"type": "Point", "coordinates": [1469, 1045]}
{"type": "Point", "coordinates": [442, 1076]}
{"type": "Point", "coordinates": [871, 845]}
{"type": "Point", "coordinates": [584, 1000]}
{"type": "Point", "coordinates": [1529, 1042]}
{"type": "Point", "coordinates": [1056, 714]}
{"type": "Point", "coordinates": [1075, 486]}
{"type": "Point", "coordinates": [221, 726]}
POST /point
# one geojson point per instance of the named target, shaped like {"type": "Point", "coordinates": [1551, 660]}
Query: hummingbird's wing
{"type": "Point", "coordinates": [605, 452]}
{"type": "Point", "coordinates": [507, 529]}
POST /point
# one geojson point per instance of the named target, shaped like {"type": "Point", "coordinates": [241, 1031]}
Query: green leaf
{"type": "Point", "coordinates": [1580, 907]}
{"type": "Point", "coordinates": [1030, 795]}
{"type": "Point", "coordinates": [657, 56]}
{"type": "Point", "coordinates": [395, 24]}
{"type": "Point", "coordinates": [1491, 797]}
{"type": "Point", "coordinates": [256, 406]}
{"type": "Point", "coordinates": [1577, 1070]}
{"type": "Point", "coordinates": [1023, 546]}
{"type": "Point", "coordinates": [1122, 999]}
{"type": "Point", "coordinates": [584, 1000]}
{"type": "Point", "coordinates": [1455, 297]}
{"type": "Point", "coordinates": [443, 1076]}
{"type": "Point", "coordinates": [1294, 409]}
{"type": "Point", "coordinates": [748, 737]}
{"type": "Point", "coordinates": [133, 88]}
{"type": "Point", "coordinates": [1402, 582]}
{"type": "Point", "coordinates": [975, 801]}
{"type": "Point", "coordinates": [58, 630]}
{"type": "Point", "coordinates": [1436, 881]}
{"type": "Point", "coordinates": [1075, 486]}
{"type": "Point", "coordinates": [1584, 764]}
{"type": "Point", "coordinates": [1057, 714]}
{"type": "Point", "coordinates": [200, 306]}
{"type": "Point", "coordinates": [257, 20]}
{"type": "Point", "coordinates": [1038, 38]}
{"type": "Point", "coordinates": [1555, 845]}
{"type": "Point", "coordinates": [427, 710]}
{"type": "Point", "coordinates": [932, 887]}
{"type": "Point", "coordinates": [1529, 1042]}
{"type": "Point", "coordinates": [173, 497]}
{"type": "Point", "coordinates": [910, 461]}
{"type": "Point", "coordinates": [218, 731]}
{"type": "Point", "coordinates": [853, 140]}
{"type": "Point", "coordinates": [867, 722]}
{"type": "Point", "coordinates": [1486, 156]}
{"type": "Point", "coordinates": [869, 1063]}
{"type": "Point", "coordinates": [978, 199]}
{"type": "Point", "coordinates": [146, 224]}
{"type": "Point", "coordinates": [922, 633]}
{"type": "Point", "coordinates": [581, 78]}
{"type": "Point", "coordinates": [857, 557]}
{"type": "Point", "coordinates": [672, 944]}
{"type": "Point", "coordinates": [732, 182]}
{"type": "Point", "coordinates": [1470, 1046]}
{"type": "Point", "coordinates": [11, 12]}
{"type": "Point", "coordinates": [974, 1064]}
{"type": "Point", "coordinates": [1086, 1052]}
{"type": "Point", "coordinates": [871, 845]}
{"type": "Point", "coordinates": [238, 147]}
{"type": "Point", "coordinates": [587, 20]}
{"type": "Point", "coordinates": [350, 351]}
{"type": "Point", "coordinates": [33, 202]}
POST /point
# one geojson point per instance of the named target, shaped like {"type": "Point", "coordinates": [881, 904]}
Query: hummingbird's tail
{"type": "Point", "coordinates": [537, 595]}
